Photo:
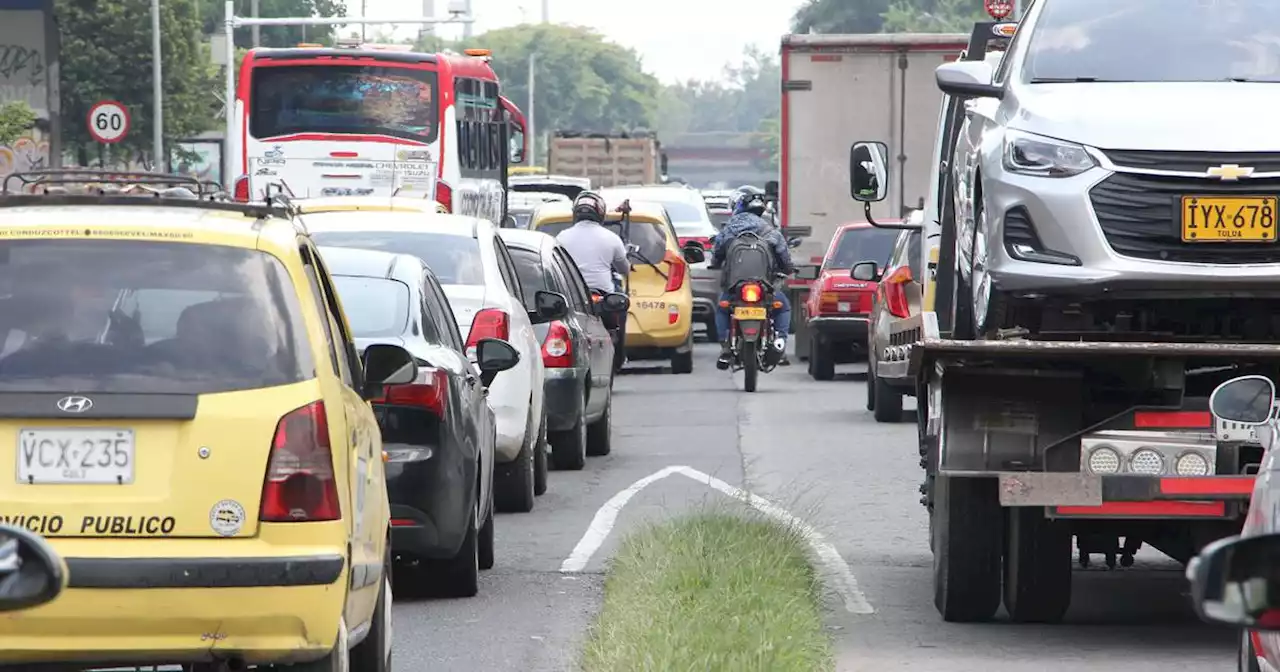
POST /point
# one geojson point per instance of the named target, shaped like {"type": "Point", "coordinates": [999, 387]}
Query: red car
{"type": "Point", "coordinates": [839, 308]}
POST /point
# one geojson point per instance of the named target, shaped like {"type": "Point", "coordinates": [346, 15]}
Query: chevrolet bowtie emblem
{"type": "Point", "coordinates": [1230, 172]}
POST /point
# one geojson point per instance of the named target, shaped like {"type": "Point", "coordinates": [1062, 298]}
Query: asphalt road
{"type": "Point", "coordinates": [810, 448]}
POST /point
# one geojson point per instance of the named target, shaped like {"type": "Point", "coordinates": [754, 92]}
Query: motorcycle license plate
{"type": "Point", "coordinates": [748, 313]}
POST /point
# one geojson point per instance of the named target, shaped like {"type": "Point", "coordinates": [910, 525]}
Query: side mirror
{"type": "Point", "coordinates": [868, 171]}
{"type": "Point", "coordinates": [1234, 582]}
{"type": "Point", "coordinates": [515, 145]}
{"type": "Point", "coordinates": [31, 572]}
{"type": "Point", "coordinates": [771, 190]}
{"type": "Point", "coordinates": [509, 222]}
{"type": "Point", "coordinates": [386, 364]}
{"type": "Point", "coordinates": [615, 302]}
{"type": "Point", "coordinates": [494, 356]}
{"type": "Point", "coordinates": [867, 271]}
{"type": "Point", "coordinates": [808, 272]}
{"type": "Point", "coordinates": [694, 253]}
{"type": "Point", "coordinates": [1246, 400]}
{"type": "Point", "coordinates": [794, 242]}
{"type": "Point", "coordinates": [548, 306]}
{"type": "Point", "coordinates": [969, 79]}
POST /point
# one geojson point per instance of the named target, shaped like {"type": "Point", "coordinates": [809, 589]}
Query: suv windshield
{"type": "Point", "coordinates": [146, 317]}
{"type": "Point", "coordinates": [865, 244]}
{"type": "Point", "coordinates": [334, 98]}
{"type": "Point", "coordinates": [1155, 41]}
{"type": "Point", "coordinates": [454, 259]}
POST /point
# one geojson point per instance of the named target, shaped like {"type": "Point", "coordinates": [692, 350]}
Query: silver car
{"type": "Point", "coordinates": [1120, 153]}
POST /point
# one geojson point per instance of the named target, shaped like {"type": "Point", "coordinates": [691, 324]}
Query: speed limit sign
{"type": "Point", "coordinates": [108, 121]}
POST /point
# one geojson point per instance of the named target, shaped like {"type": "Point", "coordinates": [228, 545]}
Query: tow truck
{"type": "Point", "coordinates": [1031, 438]}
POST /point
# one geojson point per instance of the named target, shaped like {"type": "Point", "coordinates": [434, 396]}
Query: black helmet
{"type": "Point", "coordinates": [749, 202]}
{"type": "Point", "coordinates": [590, 206]}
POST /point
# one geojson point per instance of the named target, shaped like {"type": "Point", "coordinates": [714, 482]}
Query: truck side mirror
{"type": "Point", "coordinates": [868, 171]}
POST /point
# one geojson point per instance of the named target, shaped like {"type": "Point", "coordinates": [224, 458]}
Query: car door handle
{"type": "Point", "coordinates": [471, 380]}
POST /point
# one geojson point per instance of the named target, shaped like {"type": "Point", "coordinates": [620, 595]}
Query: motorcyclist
{"type": "Point", "coordinates": [599, 253]}
{"type": "Point", "coordinates": [748, 211]}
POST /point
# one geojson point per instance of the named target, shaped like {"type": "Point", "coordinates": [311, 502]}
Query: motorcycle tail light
{"type": "Point", "coordinates": [751, 293]}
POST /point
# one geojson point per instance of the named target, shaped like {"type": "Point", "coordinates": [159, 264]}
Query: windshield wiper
{"type": "Point", "coordinates": [1064, 80]}
{"type": "Point", "coordinates": [645, 259]}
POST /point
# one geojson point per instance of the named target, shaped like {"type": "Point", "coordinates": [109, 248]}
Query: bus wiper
{"type": "Point", "coordinates": [1064, 80]}
{"type": "Point", "coordinates": [636, 252]}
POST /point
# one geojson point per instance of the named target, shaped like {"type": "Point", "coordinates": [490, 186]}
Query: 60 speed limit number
{"type": "Point", "coordinates": [108, 121]}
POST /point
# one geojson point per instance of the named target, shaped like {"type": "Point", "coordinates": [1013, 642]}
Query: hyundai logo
{"type": "Point", "coordinates": [75, 404]}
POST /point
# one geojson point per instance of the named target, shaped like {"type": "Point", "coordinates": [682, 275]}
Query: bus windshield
{"type": "Point", "coordinates": [331, 98]}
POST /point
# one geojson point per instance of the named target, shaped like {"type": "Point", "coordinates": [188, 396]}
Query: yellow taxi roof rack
{"type": "Point", "coordinates": [93, 186]}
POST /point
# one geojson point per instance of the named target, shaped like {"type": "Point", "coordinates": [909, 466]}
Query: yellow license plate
{"type": "Point", "coordinates": [1229, 219]}
{"type": "Point", "coordinates": [748, 313]}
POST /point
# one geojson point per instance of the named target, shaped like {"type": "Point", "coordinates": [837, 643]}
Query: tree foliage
{"type": "Point", "coordinates": [213, 14]}
{"type": "Point", "coordinates": [933, 16]}
{"type": "Point", "coordinates": [106, 55]}
{"type": "Point", "coordinates": [745, 94]}
{"type": "Point", "coordinates": [890, 16]}
{"type": "Point", "coordinates": [15, 118]}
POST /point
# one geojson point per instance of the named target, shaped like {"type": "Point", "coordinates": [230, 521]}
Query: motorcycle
{"type": "Point", "coordinates": [754, 346]}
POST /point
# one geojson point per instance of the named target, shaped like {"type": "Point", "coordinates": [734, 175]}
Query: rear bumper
{"type": "Point", "coordinates": [853, 328]}
{"type": "Point", "coordinates": [431, 498]}
{"type": "Point", "coordinates": [655, 331]}
{"type": "Point", "coordinates": [563, 397]}
{"type": "Point", "coordinates": [1075, 495]}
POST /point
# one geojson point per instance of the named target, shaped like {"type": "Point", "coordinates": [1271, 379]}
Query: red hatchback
{"type": "Point", "coordinates": [839, 308]}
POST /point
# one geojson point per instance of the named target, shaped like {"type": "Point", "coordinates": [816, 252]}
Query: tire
{"type": "Point", "coordinates": [337, 660]}
{"type": "Point", "coordinates": [822, 363]}
{"type": "Point", "coordinates": [967, 527]}
{"type": "Point", "coordinates": [514, 488]}
{"type": "Point", "coordinates": [750, 366]}
{"type": "Point", "coordinates": [600, 432]}
{"type": "Point", "coordinates": [460, 575]}
{"type": "Point", "coordinates": [871, 387]}
{"type": "Point", "coordinates": [1248, 657]}
{"type": "Point", "coordinates": [485, 550]}
{"type": "Point", "coordinates": [682, 362]}
{"type": "Point", "coordinates": [569, 448]}
{"type": "Point", "coordinates": [1037, 566]}
{"type": "Point", "coordinates": [373, 654]}
{"type": "Point", "coordinates": [888, 400]}
{"type": "Point", "coordinates": [540, 459]}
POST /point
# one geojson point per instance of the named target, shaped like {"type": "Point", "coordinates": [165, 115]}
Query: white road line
{"type": "Point", "coordinates": [831, 565]}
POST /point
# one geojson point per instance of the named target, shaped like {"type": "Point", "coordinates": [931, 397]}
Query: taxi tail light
{"type": "Point", "coordinates": [300, 485]}
{"type": "Point", "coordinates": [676, 270]}
{"type": "Point", "coordinates": [240, 191]}
{"type": "Point", "coordinates": [751, 293]}
{"type": "Point", "coordinates": [557, 349]}
{"type": "Point", "coordinates": [895, 292]}
{"type": "Point", "coordinates": [489, 323]}
{"type": "Point", "coordinates": [429, 391]}
{"type": "Point", "coordinates": [673, 314]}
{"type": "Point", "coordinates": [444, 195]}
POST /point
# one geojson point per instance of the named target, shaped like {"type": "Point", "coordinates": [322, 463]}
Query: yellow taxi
{"type": "Point", "coordinates": [660, 321]}
{"type": "Point", "coordinates": [369, 204]}
{"type": "Point", "coordinates": [189, 426]}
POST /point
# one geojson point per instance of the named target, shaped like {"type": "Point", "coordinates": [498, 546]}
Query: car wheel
{"type": "Point", "coordinates": [871, 386]}
{"type": "Point", "coordinates": [682, 362]}
{"type": "Point", "coordinates": [515, 486]}
{"type": "Point", "coordinates": [600, 433]}
{"type": "Point", "coordinates": [569, 448]}
{"type": "Point", "coordinates": [337, 660]}
{"type": "Point", "coordinates": [460, 576]}
{"type": "Point", "coordinates": [540, 459]}
{"type": "Point", "coordinates": [485, 550]}
{"type": "Point", "coordinates": [822, 362]}
{"type": "Point", "coordinates": [374, 653]}
{"type": "Point", "coordinates": [888, 401]}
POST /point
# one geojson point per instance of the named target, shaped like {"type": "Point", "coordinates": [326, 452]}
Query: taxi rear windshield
{"type": "Point", "coordinates": [332, 98]}
{"type": "Point", "coordinates": [146, 317]}
{"type": "Point", "coordinates": [649, 237]}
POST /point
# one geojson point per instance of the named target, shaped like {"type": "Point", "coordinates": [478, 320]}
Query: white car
{"type": "Point", "coordinates": [480, 281]}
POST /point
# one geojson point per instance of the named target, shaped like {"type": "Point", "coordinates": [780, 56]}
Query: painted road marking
{"type": "Point", "coordinates": [831, 565]}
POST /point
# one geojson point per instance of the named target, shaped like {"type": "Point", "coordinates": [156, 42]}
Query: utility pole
{"type": "Point", "coordinates": [466, 27]}
{"type": "Point", "coordinates": [428, 9]}
{"type": "Point", "coordinates": [364, 14]}
{"type": "Point", "coordinates": [546, 11]}
{"type": "Point", "coordinates": [255, 11]}
{"type": "Point", "coordinates": [532, 159]}
{"type": "Point", "coordinates": [158, 162]}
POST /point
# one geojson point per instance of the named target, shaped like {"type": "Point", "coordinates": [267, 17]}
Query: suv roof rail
{"type": "Point", "coordinates": [92, 186]}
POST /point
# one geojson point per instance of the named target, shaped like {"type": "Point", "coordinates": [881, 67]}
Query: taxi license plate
{"type": "Point", "coordinates": [748, 313]}
{"type": "Point", "coordinates": [1229, 219]}
{"type": "Point", "coordinates": [79, 456]}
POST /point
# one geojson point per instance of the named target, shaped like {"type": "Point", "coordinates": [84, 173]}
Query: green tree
{"type": "Point", "coordinates": [738, 101]}
{"type": "Point", "coordinates": [582, 81]}
{"type": "Point", "coordinates": [890, 16]}
{"type": "Point", "coordinates": [933, 16]}
{"type": "Point", "coordinates": [15, 118]}
{"type": "Point", "coordinates": [213, 16]}
{"type": "Point", "coordinates": [840, 16]}
{"type": "Point", "coordinates": [106, 55]}
{"type": "Point", "coordinates": [768, 141]}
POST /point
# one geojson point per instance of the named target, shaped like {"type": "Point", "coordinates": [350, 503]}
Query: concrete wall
{"type": "Point", "coordinates": [29, 72]}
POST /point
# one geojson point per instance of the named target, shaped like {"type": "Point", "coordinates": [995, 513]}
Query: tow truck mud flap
{"type": "Point", "coordinates": [967, 530]}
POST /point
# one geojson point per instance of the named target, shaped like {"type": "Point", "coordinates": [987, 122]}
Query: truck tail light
{"type": "Point", "coordinates": [300, 485]}
{"type": "Point", "coordinates": [444, 195]}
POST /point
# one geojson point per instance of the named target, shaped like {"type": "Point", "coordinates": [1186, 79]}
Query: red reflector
{"type": "Point", "coordinates": [402, 522]}
{"type": "Point", "coordinates": [1157, 509]}
{"type": "Point", "coordinates": [344, 155]}
{"type": "Point", "coordinates": [1172, 419]}
{"type": "Point", "coordinates": [1207, 485]}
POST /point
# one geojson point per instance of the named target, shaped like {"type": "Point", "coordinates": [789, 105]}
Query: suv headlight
{"type": "Point", "coordinates": [1030, 154]}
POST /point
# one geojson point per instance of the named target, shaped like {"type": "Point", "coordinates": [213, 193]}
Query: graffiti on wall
{"type": "Point", "coordinates": [24, 71]}
{"type": "Point", "coordinates": [29, 152]}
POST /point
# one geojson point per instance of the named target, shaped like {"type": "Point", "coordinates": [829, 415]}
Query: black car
{"type": "Point", "coordinates": [437, 433]}
{"type": "Point", "coordinates": [577, 351]}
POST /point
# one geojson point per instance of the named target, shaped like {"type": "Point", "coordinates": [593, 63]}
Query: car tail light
{"type": "Point", "coordinates": [704, 242]}
{"type": "Point", "coordinates": [429, 391]}
{"type": "Point", "coordinates": [444, 195]}
{"type": "Point", "coordinates": [300, 485]}
{"type": "Point", "coordinates": [751, 293]}
{"type": "Point", "coordinates": [676, 270]}
{"type": "Point", "coordinates": [489, 323]}
{"type": "Point", "coordinates": [673, 313]}
{"type": "Point", "coordinates": [240, 191]}
{"type": "Point", "coordinates": [557, 349]}
{"type": "Point", "coordinates": [895, 292]}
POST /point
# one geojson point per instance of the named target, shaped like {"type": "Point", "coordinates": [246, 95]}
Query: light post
{"type": "Point", "coordinates": [157, 93]}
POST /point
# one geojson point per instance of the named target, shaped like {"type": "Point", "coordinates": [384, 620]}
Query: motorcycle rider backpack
{"type": "Point", "coordinates": [749, 257]}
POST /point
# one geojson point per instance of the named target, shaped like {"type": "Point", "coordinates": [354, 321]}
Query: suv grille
{"type": "Point", "coordinates": [1140, 216]}
{"type": "Point", "coordinates": [1198, 162]}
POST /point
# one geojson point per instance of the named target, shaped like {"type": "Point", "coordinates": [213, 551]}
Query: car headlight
{"type": "Point", "coordinates": [1104, 460]}
{"type": "Point", "coordinates": [1030, 154]}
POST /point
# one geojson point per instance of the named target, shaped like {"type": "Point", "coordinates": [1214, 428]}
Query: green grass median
{"type": "Point", "coordinates": [710, 592]}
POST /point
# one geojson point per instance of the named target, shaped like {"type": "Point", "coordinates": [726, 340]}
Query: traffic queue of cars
{"type": "Point", "coordinates": [221, 407]}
